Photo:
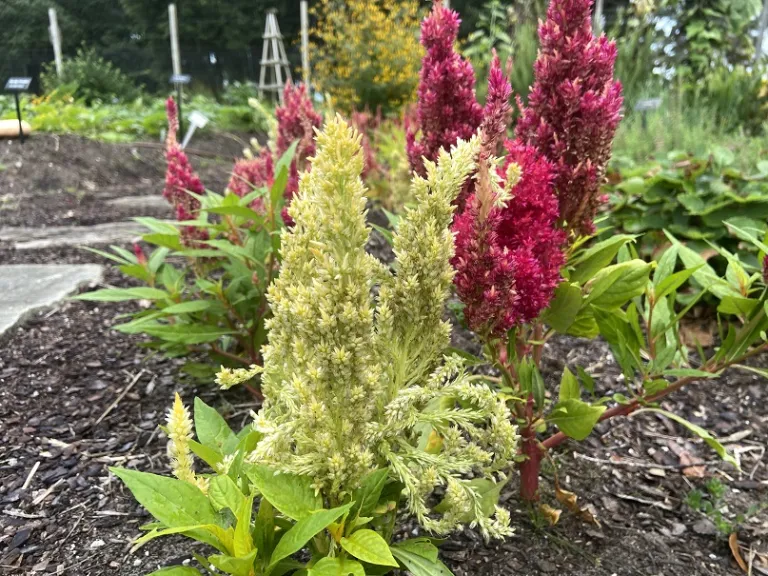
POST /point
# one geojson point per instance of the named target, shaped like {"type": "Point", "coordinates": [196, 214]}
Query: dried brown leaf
{"type": "Point", "coordinates": [733, 543]}
{"type": "Point", "coordinates": [552, 515]}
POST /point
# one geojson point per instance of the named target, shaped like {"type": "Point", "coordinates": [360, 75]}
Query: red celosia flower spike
{"type": "Point", "coordinates": [508, 261]}
{"type": "Point", "coordinates": [498, 109]}
{"type": "Point", "coordinates": [573, 109]}
{"type": "Point", "coordinates": [180, 179]}
{"type": "Point", "coordinates": [447, 109]}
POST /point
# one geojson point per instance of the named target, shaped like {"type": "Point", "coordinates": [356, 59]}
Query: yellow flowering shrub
{"type": "Point", "coordinates": [366, 53]}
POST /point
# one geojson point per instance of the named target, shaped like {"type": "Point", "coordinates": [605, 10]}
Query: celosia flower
{"type": "Point", "coordinates": [179, 426]}
{"type": "Point", "coordinates": [447, 109]}
{"type": "Point", "coordinates": [141, 258]}
{"type": "Point", "coordinates": [508, 257]}
{"type": "Point", "coordinates": [573, 109]}
{"type": "Point", "coordinates": [250, 174]}
{"type": "Point", "coordinates": [296, 120]}
{"type": "Point", "coordinates": [765, 269]}
{"type": "Point", "coordinates": [180, 179]}
{"type": "Point", "coordinates": [347, 377]}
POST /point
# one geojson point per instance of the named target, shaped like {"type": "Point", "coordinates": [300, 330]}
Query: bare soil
{"type": "Point", "coordinates": [76, 398]}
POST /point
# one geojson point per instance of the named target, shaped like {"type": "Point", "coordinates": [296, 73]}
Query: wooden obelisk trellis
{"type": "Point", "coordinates": [275, 69]}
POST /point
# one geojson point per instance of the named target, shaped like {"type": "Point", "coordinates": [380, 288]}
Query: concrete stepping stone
{"type": "Point", "coordinates": [38, 238]}
{"type": "Point", "coordinates": [25, 288]}
{"type": "Point", "coordinates": [148, 202]}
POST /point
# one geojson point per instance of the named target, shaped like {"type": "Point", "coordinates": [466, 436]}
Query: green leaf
{"type": "Point", "coordinates": [488, 492]}
{"type": "Point", "coordinates": [615, 285]}
{"type": "Point", "coordinates": [569, 386]}
{"type": "Point", "coordinates": [173, 502]}
{"type": "Point", "coordinates": [367, 496]}
{"type": "Point", "coordinates": [575, 418]}
{"type": "Point", "coordinates": [387, 234]}
{"type": "Point", "coordinates": [597, 257]}
{"type": "Point", "coordinates": [303, 531]}
{"type": "Point", "coordinates": [224, 493]}
{"type": "Point", "coordinates": [698, 431]}
{"type": "Point", "coordinates": [666, 265]}
{"type": "Point", "coordinates": [369, 546]}
{"type": "Point", "coordinates": [243, 543]}
{"type": "Point", "coordinates": [208, 455]}
{"type": "Point", "coordinates": [673, 282]}
{"type": "Point", "coordinates": [738, 306]}
{"type": "Point", "coordinates": [156, 225]}
{"type": "Point", "coordinates": [421, 546]}
{"type": "Point", "coordinates": [337, 567]}
{"type": "Point", "coordinates": [290, 494]}
{"type": "Point", "coordinates": [212, 430]}
{"type": "Point", "coordinates": [171, 241]}
{"type": "Point", "coordinates": [240, 566]}
{"type": "Point", "coordinates": [586, 380]}
{"type": "Point", "coordinates": [418, 565]}
{"type": "Point", "coordinates": [704, 274]}
{"type": "Point", "coordinates": [188, 307]}
{"type": "Point", "coordinates": [564, 307]}
{"type": "Point", "coordinates": [176, 571]}
{"type": "Point", "coordinates": [748, 237]}
{"type": "Point", "coordinates": [188, 334]}
{"type": "Point", "coordinates": [239, 211]}
{"type": "Point", "coordinates": [123, 294]}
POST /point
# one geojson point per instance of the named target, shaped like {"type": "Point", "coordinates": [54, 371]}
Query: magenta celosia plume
{"type": "Point", "coordinates": [573, 109]}
{"type": "Point", "coordinates": [447, 109]}
{"type": "Point", "coordinates": [180, 179]}
{"type": "Point", "coordinates": [508, 258]}
{"type": "Point", "coordinates": [251, 173]}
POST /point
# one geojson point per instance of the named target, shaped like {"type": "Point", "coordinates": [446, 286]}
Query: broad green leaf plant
{"type": "Point", "coordinates": [364, 417]}
{"type": "Point", "coordinates": [209, 297]}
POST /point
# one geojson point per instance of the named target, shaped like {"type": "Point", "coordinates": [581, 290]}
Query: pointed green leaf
{"type": "Point", "coordinates": [304, 530]}
{"type": "Point", "coordinates": [575, 418]}
{"type": "Point", "coordinates": [564, 307]}
{"type": "Point", "coordinates": [240, 566]}
{"type": "Point", "coordinates": [419, 565]}
{"type": "Point", "coordinates": [569, 386]}
{"type": "Point", "coordinates": [337, 567]}
{"type": "Point", "coordinates": [176, 571]}
{"type": "Point", "coordinates": [243, 543]}
{"type": "Point", "coordinates": [369, 546]}
{"type": "Point", "coordinates": [224, 493]}
{"type": "Point", "coordinates": [212, 430]}
{"type": "Point", "coordinates": [290, 494]}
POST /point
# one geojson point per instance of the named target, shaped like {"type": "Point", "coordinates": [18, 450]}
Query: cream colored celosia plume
{"type": "Point", "coordinates": [179, 434]}
{"type": "Point", "coordinates": [353, 382]}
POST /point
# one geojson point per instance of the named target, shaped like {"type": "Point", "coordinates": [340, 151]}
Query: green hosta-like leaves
{"type": "Point", "coordinates": [698, 431]}
{"type": "Point", "coordinates": [369, 546]}
{"type": "Point", "coordinates": [337, 567]}
{"type": "Point", "coordinates": [575, 418]}
{"type": "Point", "coordinates": [295, 539]}
{"type": "Point", "coordinates": [292, 495]}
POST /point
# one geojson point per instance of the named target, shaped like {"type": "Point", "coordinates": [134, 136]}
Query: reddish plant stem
{"type": "Point", "coordinates": [529, 468]}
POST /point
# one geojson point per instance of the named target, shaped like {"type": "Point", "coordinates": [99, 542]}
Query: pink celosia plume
{"type": "Point", "coordinates": [573, 109]}
{"type": "Point", "coordinates": [447, 109]}
{"type": "Point", "coordinates": [180, 179]}
{"type": "Point", "coordinates": [296, 121]}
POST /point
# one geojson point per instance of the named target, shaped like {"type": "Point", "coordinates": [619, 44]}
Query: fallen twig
{"type": "Point", "coordinates": [122, 395]}
{"type": "Point", "coordinates": [28, 481]}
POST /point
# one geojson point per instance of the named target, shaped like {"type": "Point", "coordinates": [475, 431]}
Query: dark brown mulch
{"type": "Point", "coordinates": [65, 180]}
{"type": "Point", "coordinates": [63, 368]}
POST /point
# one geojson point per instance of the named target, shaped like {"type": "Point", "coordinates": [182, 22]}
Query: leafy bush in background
{"type": "Point", "coordinates": [366, 54]}
{"type": "Point", "coordinates": [90, 79]}
{"type": "Point", "coordinates": [690, 196]}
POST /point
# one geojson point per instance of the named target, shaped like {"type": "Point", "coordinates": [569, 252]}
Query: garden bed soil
{"type": "Point", "coordinates": [76, 398]}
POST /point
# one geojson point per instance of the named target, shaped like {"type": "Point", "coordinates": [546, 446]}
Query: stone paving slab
{"type": "Point", "coordinates": [26, 287]}
{"type": "Point", "coordinates": [154, 201]}
{"type": "Point", "coordinates": [23, 238]}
